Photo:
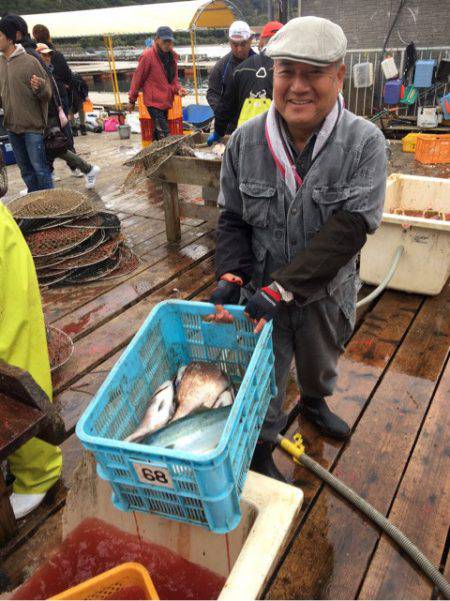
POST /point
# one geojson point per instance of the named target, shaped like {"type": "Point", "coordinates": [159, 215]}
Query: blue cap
{"type": "Point", "coordinates": [164, 33]}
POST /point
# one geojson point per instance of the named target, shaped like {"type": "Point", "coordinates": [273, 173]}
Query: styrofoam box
{"type": "Point", "coordinates": [425, 264]}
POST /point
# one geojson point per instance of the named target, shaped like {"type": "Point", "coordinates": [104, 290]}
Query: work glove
{"type": "Point", "coordinates": [226, 293]}
{"type": "Point", "coordinates": [214, 137]}
{"type": "Point", "coordinates": [263, 306]}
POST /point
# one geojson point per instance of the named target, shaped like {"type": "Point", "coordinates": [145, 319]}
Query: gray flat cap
{"type": "Point", "coordinates": [311, 40]}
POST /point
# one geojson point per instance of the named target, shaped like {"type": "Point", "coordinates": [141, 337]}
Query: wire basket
{"type": "Point", "coordinates": [99, 254]}
{"type": "Point", "coordinates": [56, 240]}
{"type": "Point", "coordinates": [55, 202]}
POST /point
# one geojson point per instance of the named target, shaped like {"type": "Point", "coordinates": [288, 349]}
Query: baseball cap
{"type": "Point", "coordinates": [239, 31]}
{"type": "Point", "coordinates": [164, 33]}
{"type": "Point", "coordinates": [311, 40]}
{"type": "Point", "coordinates": [270, 29]}
{"type": "Point", "coordinates": [43, 48]}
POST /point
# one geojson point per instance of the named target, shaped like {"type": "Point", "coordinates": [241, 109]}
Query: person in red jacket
{"type": "Point", "coordinates": [157, 76]}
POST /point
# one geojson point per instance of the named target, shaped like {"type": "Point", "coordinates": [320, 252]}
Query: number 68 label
{"type": "Point", "coordinates": [153, 474]}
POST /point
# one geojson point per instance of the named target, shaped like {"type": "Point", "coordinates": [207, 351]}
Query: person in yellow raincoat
{"type": "Point", "coordinates": [36, 465]}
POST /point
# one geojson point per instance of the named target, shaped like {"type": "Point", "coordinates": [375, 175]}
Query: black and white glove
{"type": "Point", "coordinates": [264, 304]}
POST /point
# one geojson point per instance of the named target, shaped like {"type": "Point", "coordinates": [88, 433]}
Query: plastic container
{"type": "Point", "coordinates": [424, 266]}
{"type": "Point", "coordinates": [124, 132]}
{"type": "Point", "coordinates": [409, 143]}
{"type": "Point", "coordinates": [423, 74]}
{"type": "Point", "coordinates": [176, 112]}
{"type": "Point", "coordinates": [393, 91]}
{"type": "Point", "coordinates": [146, 129]}
{"type": "Point", "coordinates": [88, 107]}
{"type": "Point", "coordinates": [409, 96]}
{"type": "Point", "coordinates": [111, 124]}
{"type": "Point", "coordinates": [427, 117]}
{"type": "Point", "coordinates": [363, 75]}
{"type": "Point", "coordinates": [445, 104]}
{"type": "Point", "coordinates": [8, 153]}
{"type": "Point", "coordinates": [432, 148]}
{"type": "Point", "coordinates": [111, 583]}
{"type": "Point", "coordinates": [175, 126]}
{"type": "Point", "coordinates": [389, 67]}
{"type": "Point", "coordinates": [199, 489]}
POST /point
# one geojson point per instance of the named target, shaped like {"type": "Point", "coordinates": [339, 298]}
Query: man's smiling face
{"type": "Point", "coordinates": [304, 94]}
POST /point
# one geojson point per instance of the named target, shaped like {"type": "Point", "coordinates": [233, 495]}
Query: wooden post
{"type": "Point", "coordinates": [172, 214]}
{"type": "Point", "coordinates": [8, 524]}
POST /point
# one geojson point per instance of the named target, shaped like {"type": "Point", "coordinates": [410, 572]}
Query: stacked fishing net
{"type": "Point", "coordinates": [70, 240]}
{"type": "Point", "coordinates": [147, 162]}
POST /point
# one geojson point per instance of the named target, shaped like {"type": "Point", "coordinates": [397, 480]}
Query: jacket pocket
{"type": "Point", "coordinates": [256, 199]}
{"type": "Point", "coordinates": [330, 195]}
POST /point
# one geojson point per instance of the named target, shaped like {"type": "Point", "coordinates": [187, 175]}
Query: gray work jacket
{"type": "Point", "coordinates": [348, 174]}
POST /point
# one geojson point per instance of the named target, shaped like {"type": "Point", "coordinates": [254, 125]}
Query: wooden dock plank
{"type": "Point", "coordinates": [360, 368]}
{"type": "Point", "coordinates": [119, 298]}
{"type": "Point", "coordinates": [333, 548]}
{"type": "Point", "coordinates": [116, 333]}
{"type": "Point", "coordinates": [62, 301]}
{"type": "Point", "coordinates": [421, 510]}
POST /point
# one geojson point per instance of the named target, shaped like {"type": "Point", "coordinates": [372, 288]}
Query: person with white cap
{"type": "Point", "coordinates": [240, 37]}
{"type": "Point", "coordinates": [301, 187]}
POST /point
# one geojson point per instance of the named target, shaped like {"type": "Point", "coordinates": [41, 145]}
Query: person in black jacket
{"type": "Point", "coordinates": [253, 78]}
{"type": "Point", "coordinates": [240, 37]}
{"type": "Point", "coordinates": [61, 70]}
{"type": "Point", "coordinates": [23, 37]}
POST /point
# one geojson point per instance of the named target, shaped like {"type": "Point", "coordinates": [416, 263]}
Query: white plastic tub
{"type": "Point", "coordinates": [246, 556]}
{"type": "Point", "coordinates": [424, 266]}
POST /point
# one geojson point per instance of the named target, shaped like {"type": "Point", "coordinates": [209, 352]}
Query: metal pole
{"type": "Point", "coordinates": [299, 8]}
{"type": "Point", "coordinates": [194, 64]}
{"type": "Point", "coordinates": [270, 10]}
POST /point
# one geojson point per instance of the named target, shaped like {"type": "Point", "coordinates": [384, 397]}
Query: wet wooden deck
{"type": "Point", "coordinates": [393, 389]}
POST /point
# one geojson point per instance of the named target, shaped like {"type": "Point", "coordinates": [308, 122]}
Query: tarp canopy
{"type": "Point", "coordinates": [137, 19]}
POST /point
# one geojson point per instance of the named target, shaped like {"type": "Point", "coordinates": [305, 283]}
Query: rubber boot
{"type": "Point", "coordinates": [318, 412]}
{"type": "Point", "coordinates": [263, 463]}
{"type": "Point", "coordinates": [83, 130]}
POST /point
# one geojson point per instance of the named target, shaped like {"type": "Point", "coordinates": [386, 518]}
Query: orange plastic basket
{"type": "Point", "coordinates": [143, 112]}
{"type": "Point", "coordinates": [433, 148]}
{"type": "Point", "coordinates": [88, 107]}
{"type": "Point", "coordinates": [111, 583]}
{"type": "Point", "coordinates": [176, 112]}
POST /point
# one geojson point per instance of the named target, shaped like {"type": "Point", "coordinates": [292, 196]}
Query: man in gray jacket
{"type": "Point", "coordinates": [24, 95]}
{"type": "Point", "coordinates": [301, 187]}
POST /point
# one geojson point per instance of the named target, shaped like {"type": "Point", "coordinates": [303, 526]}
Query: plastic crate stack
{"type": "Point", "coordinates": [174, 117]}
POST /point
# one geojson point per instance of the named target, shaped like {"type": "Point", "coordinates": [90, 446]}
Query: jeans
{"type": "Point", "coordinates": [75, 162]}
{"type": "Point", "coordinates": [29, 150]}
{"type": "Point", "coordinates": [160, 124]}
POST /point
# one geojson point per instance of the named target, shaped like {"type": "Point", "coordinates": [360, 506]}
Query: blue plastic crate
{"type": "Point", "coordinates": [423, 74]}
{"type": "Point", "coordinates": [200, 489]}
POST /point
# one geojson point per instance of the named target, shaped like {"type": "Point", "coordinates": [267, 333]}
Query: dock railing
{"type": "Point", "coordinates": [368, 101]}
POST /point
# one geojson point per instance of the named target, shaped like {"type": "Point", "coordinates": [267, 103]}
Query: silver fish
{"type": "Point", "coordinates": [159, 412]}
{"type": "Point", "coordinates": [196, 433]}
{"type": "Point", "coordinates": [200, 387]}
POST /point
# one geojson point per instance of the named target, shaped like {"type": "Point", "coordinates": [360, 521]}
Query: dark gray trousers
{"type": "Point", "coordinates": [314, 336]}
